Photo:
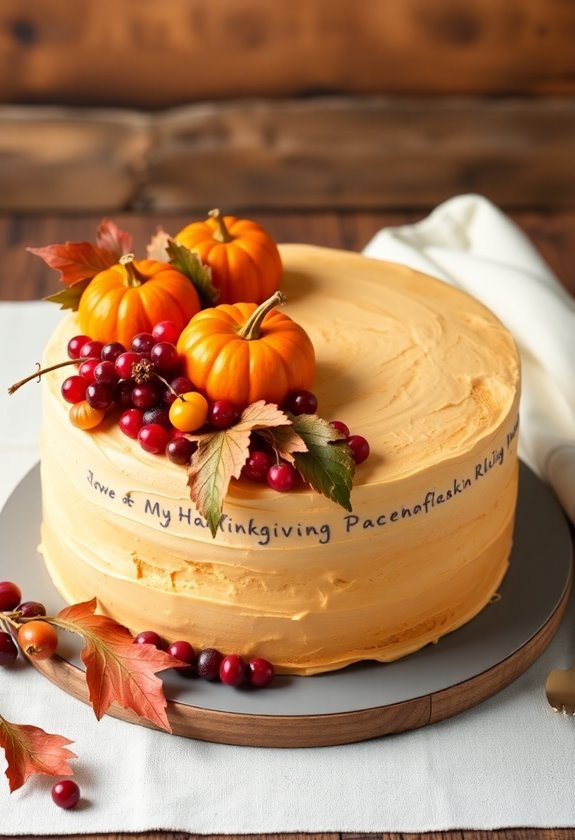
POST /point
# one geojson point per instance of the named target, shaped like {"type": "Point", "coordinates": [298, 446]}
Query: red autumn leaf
{"type": "Point", "coordinates": [30, 750]}
{"type": "Point", "coordinates": [111, 238]}
{"type": "Point", "coordinates": [117, 670]}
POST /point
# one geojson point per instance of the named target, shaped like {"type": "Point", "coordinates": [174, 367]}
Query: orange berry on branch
{"type": "Point", "coordinates": [38, 639]}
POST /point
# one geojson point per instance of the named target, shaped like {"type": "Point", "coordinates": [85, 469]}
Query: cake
{"type": "Point", "coordinates": [427, 374]}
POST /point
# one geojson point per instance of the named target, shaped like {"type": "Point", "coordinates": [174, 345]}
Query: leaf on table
{"type": "Point", "coordinates": [117, 670]}
{"type": "Point", "coordinates": [191, 265]}
{"type": "Point", "coordinates": [221, 455]}
{"type": "Point", "coordinates": [30, 750]}
{"type": "Point", "coordinates": [328, 464]}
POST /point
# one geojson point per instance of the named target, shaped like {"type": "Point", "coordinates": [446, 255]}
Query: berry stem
{"type": "Point", "coordinates": [252, 328]}
{"type": "Point", "coordinates": [222, 233]}
{"type": "Point", "coordinates": [41, 371]}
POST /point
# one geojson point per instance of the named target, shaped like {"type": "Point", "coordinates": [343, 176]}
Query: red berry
{"type": "Point", "coordinates": [260, 672]}
{"type": "Point", "coordinates": [179, 450]}
{"type": "Point", "coordinates": [153, 438]}
{"type": "Point", "coordinates": [10, 596]}
{"type": "Point", "coordinates": [164, 356]}
{"type": "Point", "coordinates": [150, 637]}
{"type": "Point", "coordinates": [340, 426]}
{"type": "Point", "coordinates": [181, 385]}
{"type": "Point", "coordinates": [232, 669]}
{"type": "Point", "coordinates": [158, 414]}
{"type": "Point", "coordinates": [301, 402]}
{"type": "Point", "coordinates": [257, 465]}
{"type": "Point", "coordinates": [75, 345]}
{"type": "Point", "coordinates": [73, 388]}
{"type": "Point", "coordinates": [142, 343]}
{"type": "Point", "coordinates": [166, 331]}
{"type": "Point", "coordinates": [281, 477]}
{"type": "Point", "coordinates": [29, 609]}
{"type": "Point", "coordinates": [131, 422]}
{"type": "Point", "coordinates": [208, 664]}
{"type": "Point", "coordinates": [105, 372]}
{"type": "Point", "coordinates": [222, 414]}
{"type": "Point", "coordinates": [66, 794]}
{"type": "Point", "coordinates": [87, 368]}
{"type": "Point", "coordinates": [146, 395]}
{"type": "Point", "coordinates": [123, 364]}
{"type": "Point", "coordinates": [111, 351]}
{"type": "Point", "coordinates": [90, 349]}
{"type": "Point", "coordinates": [359, 448]}
{"type": "Point", "coordinates": [123, 393]}
{"type": "Point", "coordinates": [8, 650]}
{"type": "Point", "coordinates": [99, 395]}
{"type": "Point", "coordinates": [182, 650]}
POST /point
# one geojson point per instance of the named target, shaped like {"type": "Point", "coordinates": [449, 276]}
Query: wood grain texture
{"type": "Point", "coordinates": [340, 152]}
{"type": "Point", "coordinates": [154, 55]}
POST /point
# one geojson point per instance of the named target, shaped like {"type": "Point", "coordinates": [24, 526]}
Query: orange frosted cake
{"type": "Point", "coordinates": [426, 374]}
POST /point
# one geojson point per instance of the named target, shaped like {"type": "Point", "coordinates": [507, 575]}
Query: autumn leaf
{"type": "Point", "coordinates": [81, 261]}
{"type": "Point", "coordinates": [110, 238]}
{"type": "Point", "coordinates": [221, 455]}
{"type": "Point", "coordinates": [69, 298]}
{"type": "Point", "coordinates": [157, 247]}
{"type": "Point", "coordinates": [190, 264]}
{"type": "Point", "coordinates": [30, 750]}
{"type": "Point", "coordinates": [328, 464]}
{"type": "Point", "coordinates": [117, 670]}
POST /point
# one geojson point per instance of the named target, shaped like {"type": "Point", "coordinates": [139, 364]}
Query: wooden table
{"type": "Point", "coordinates": [25, 277]}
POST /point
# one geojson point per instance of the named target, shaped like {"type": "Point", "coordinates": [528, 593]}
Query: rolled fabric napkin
{"type": "Point", "coordinates": [471, 244]}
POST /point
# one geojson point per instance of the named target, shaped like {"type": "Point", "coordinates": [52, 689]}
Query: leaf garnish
{"type": "Point", "coordinates": [110, 238]}
{"type": "Point", "coordinates": [69, 298]}
{"type": "Point", "coordinates": [116, 669]}
{"type": "Point", "coordinates": [328, 464]}
{"type": "Point", "coordinates": [221, 455]}
{"type": "Point", "coordinates": [29, 750]}
{"type": "Point", "coordinates": [157, 247]}
{"type": "Point", "coordinates": [190, 264]}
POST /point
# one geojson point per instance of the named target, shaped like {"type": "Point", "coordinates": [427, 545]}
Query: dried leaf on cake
{"type": "Point", "coordinates": [30, 750]}
{"type": "Point", "coordinates": [328, 464]}
{"type": "Point", "coordinates": [117, 670]}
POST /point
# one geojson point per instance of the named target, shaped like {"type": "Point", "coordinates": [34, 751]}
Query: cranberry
{"type": "Point", "coordinates": [181, 385]}
{"type": "Point", "coordinates": [183, 651]}
{"type": "Point", "coordinates": [301, 402]}
{"type": "Point", "coordinates": [232, 669]}
{"type": "Point", "coordinates": [8, 650]}
{"type": "Point", "coordinates": [153, 438]}
{"type": "Point", "coordinates": [142, 343]}
{"type": "Point", "coordinates": [90, 348]}
{"type": "Point", "coordinates": [222, 414]}
{"type": "Point", "coordinates": [66, 794]}
{"type": "Point", "coordinates": [100, 395]}
{"type": "Point", "coordinates": [281, 477]}
{"type": "Point", "coordinates": [105, 372]}
{"type": "Point", "coordinates": [158, 414]}
{"type": "Point", "coordinates": [74, 389]}
{"type": "Point", "coordinates": [124, 362]}
{"type": "Point", "coordinates": [340, 426]}
{"type": "Point", "coordinates": [164, 356]}
{"type": "Point", "coordinates": [166, 331]}
{"type": "Point", "coordinates": [130, 422]}
{"type": "Point", "coordinates": [179, 450]}
{"type": "Point", "coordinates": [87, 369]}
{"type": "Point", "coordinates": [359, 448]}
{"type": "Point", "coordinates": [208, 664]}
{"type": "Point", "coordinates": [146, 395]}
{"type": "Point", "coordinates": [75, 345]}
{"type": "Point", "coordinates": [123, 393]}
{"type": "Point", "coordinates": [150, 637]}
{"type": "Point", "coordinates": [29, 609]}
{"type": "Point", "coordinates": [111, 351]}
{"type": "Point", "coordinates": [257, 465]}
{"type": "Point", "coordinates": [260, 672]}
{"type": "Point", "coordinates": [10, 595]}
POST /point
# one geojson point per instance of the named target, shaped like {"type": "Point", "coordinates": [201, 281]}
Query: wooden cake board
{"type": "Point", "coordinates": [361, 701]}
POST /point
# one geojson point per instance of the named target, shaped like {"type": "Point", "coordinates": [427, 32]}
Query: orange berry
{"type": "Point", "coordinates": [38, 639]}
{"type": "Point", "coordinates": [189, 411]}
{"type": "Point", "coordinates": [83, 416]}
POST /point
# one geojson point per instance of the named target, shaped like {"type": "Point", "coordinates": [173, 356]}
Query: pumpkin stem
{"type": "Point", "coordinates": [222, 233]}
{"type": "Point", "coordinates": [133, 276]}
{"type": "Point", "coordinates": [252, 327]}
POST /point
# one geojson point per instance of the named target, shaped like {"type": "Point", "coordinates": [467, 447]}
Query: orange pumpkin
{"type": "Point", "coordinates": [245, 353]}
{"type": "Point", "coordinates": [132, 297]}
{"type": "Point", "coordinates": [244, 259]}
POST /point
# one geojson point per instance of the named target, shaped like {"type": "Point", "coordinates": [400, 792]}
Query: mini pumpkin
{"type": "Point", "coordinates": [134, 295]}
{"type": "Point", "coordinates": [242, 352]}
{"type": "Point", "coordinates": [244, 259]}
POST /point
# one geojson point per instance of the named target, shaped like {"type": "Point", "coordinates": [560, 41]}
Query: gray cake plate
{"type": "Point", "coordinates": [361, 701]}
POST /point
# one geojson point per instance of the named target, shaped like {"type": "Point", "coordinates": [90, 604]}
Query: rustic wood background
{"type": "Point", "coordinates": [180, 105]}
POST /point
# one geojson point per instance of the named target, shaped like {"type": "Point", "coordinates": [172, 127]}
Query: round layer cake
{"type": "Point", "coordinates": [427, 374]}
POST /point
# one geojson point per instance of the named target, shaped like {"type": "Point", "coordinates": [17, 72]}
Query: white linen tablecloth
{"type": "Point", "coordinates": [508, 762]}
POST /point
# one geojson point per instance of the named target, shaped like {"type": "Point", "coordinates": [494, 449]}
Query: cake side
{"type": "Point", "coordinates": [432, 380]}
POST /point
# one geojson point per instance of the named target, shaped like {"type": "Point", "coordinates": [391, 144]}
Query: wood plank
{"type": "Point", "coordinates": [319, 153]}
{"type": "Point", "coordinates": [99, 53]}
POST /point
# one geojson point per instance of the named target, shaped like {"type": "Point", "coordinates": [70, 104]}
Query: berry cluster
{"type": "Point", "coordinates": [209, 664]}
{"type": "Point", "coordinates": [262, 464]}
{"type": "Point", "coordinates": [36, 638]}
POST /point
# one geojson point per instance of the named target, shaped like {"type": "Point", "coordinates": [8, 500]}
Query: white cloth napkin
{"type": "Point", "coordinates": [470, 243]}
{"type": "Point", "coordinates": [508, 762]}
